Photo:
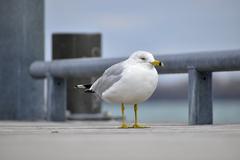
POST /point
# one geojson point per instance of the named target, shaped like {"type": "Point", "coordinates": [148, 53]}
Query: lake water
{"type": "Point", "coordinates": [169, 111]}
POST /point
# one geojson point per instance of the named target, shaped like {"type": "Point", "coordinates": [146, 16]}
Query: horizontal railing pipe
{"type": "Point", "coordinates": [78, 67]}
{"type": "Point", "coordinates": [178, 63]}
{"type": "Point", "coordinates": [203, 61]}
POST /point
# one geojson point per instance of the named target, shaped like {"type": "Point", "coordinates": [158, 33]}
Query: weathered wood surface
{"type": "Point", "coordinates": [103, 140]}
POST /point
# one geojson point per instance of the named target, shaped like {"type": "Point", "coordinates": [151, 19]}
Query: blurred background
{"type": "Point", "coordinates": [161, 27]}
{"type": "Point", "coordinates": [158, 26]}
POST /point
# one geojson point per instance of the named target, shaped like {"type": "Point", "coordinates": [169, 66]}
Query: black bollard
{"type": "Point", "coordinates": [67, 46]}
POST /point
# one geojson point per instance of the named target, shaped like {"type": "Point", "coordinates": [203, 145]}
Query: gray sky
{"type": "Point", "coordinates": [158, 26]}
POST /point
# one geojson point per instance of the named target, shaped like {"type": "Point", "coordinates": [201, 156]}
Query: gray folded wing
{"type": "Point", "coordinates": [109, 77]}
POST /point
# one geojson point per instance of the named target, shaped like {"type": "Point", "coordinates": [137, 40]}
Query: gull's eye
{"type": "Point", "coordinates": [143, 58]}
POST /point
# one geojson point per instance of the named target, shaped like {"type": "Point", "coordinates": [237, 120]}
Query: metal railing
{"type": "Point", "coordinates": [198, 65]}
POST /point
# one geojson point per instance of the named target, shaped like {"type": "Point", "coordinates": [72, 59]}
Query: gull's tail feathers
{"type": "Point", "coordinates": [86, 87]}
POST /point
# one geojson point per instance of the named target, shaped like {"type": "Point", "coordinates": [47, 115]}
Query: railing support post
{"type": "Point", "coordinates": [200, 97]}
{"type": "Point", "coordinates": [56, 98]}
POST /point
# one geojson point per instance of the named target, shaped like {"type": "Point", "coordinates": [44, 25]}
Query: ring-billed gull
{"type": "Point", "coordinates": [129, 82]}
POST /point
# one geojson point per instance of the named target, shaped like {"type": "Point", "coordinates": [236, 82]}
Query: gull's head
{"type": "Point", "coordinates": [145, 57]}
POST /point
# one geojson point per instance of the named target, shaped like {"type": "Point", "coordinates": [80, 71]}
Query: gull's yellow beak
{"type": "Point", "coordinates": [157, 63]}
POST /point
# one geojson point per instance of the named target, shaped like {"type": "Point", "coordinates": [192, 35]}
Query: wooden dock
{"type": "Point", "coordinates": [103, 140]}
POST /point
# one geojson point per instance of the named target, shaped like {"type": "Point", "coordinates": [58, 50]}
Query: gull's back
{"type": "Point", "coordinates": [109, 77]}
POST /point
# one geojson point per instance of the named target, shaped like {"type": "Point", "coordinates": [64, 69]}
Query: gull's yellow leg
{"type": "Point", "coordinates": [136, 125]}
{"type": "Point", "coordinates": [124, 124]}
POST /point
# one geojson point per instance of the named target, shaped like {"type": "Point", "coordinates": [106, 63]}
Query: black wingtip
{"type": "Point", "coordinates": [89, 91]}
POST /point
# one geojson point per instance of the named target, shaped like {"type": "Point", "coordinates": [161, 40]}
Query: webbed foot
{"type": "Point", "coordinates": [139, 126]}
{"type": "Point", "coordinates": [124, 126]}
